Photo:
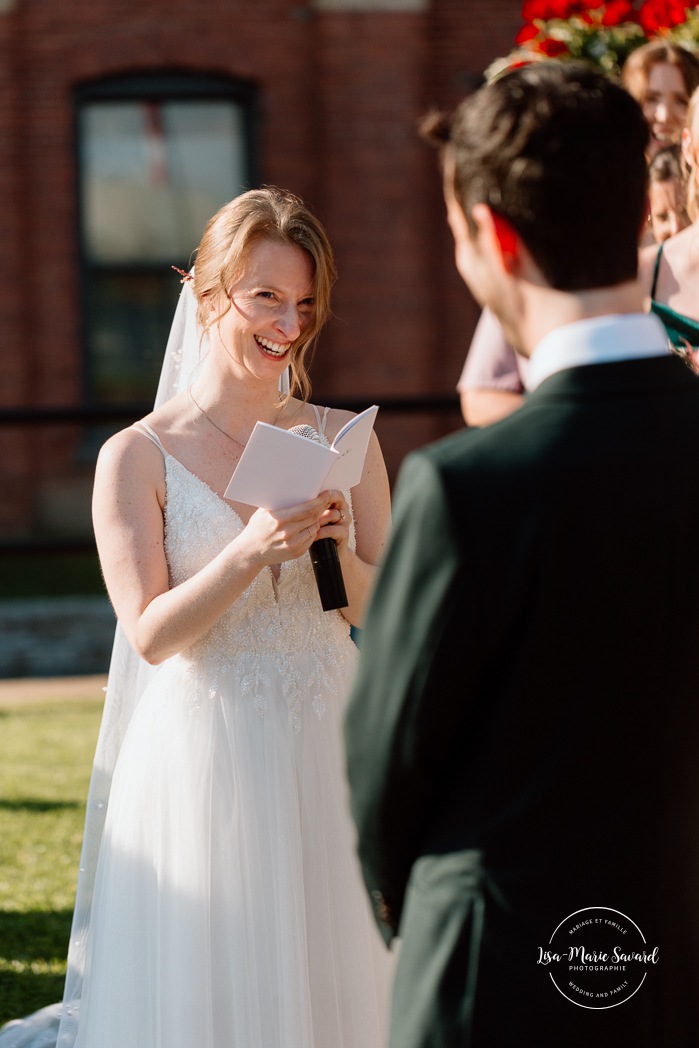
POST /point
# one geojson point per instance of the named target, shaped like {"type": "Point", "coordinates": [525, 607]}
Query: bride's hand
{"type": "Point", "coordinates": [274, 536]}
{"type": "Point", "coordinates": [335, 521]}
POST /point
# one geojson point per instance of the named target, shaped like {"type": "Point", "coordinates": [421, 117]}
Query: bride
{"type": "Point", "coordinates": [219, 899]}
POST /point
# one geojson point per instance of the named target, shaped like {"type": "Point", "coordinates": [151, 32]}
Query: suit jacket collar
{"type": "Point", "coordinates": [598, 340]}
{"type": "Point", "coordinates": [655, 374]}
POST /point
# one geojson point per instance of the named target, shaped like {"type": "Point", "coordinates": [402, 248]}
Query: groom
{"type": "Point", "coordinates": [523, 735]}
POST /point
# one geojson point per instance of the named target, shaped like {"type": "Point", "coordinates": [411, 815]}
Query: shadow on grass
{"type": "Point", "coordinates": [33, 945]}
{"type": "Point", "coordinates": [34, 935]}
{"type": "Point", "coordinates": [27, 804]}
{"type": "Point", "coordinates": [22, 994]}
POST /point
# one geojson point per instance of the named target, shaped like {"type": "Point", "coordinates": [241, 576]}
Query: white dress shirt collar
{"type": "Point", "coordinates": [601, 340]}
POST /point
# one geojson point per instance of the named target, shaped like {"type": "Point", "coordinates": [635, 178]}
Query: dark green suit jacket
{"type": "Point", "coordinates": [523, 734]}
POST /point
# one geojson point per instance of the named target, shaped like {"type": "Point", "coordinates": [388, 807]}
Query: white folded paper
{"type": "Point", "coordinates": [279, 468]}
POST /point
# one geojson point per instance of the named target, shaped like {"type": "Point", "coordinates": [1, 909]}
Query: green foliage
{"type": "Point", "coordinates": [47, 752]}
{"type": "Point", "coordinates": [49, 575]}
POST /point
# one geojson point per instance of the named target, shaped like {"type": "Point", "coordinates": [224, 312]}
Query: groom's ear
{"type": "Point", "coordinates": [502, 236]}
{"type": "Point", "coordinates": [507, 239]}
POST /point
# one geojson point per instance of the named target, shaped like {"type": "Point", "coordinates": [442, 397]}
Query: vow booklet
{"type": "Point", "coordinates": [279, 468]}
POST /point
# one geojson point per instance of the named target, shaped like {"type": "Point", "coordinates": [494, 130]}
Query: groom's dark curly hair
{"type": "Point", "coordinates": [558, 150]}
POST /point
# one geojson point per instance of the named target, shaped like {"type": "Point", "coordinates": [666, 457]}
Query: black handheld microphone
{"type": "Point", "coordinates": [323, 553]}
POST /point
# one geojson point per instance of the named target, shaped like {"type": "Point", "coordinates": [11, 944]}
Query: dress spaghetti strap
{"type": "Point", "coordinates": [320, 421]}
{"type": "Point", "coordinates": [144, 428]}
{"type": "Point", "coordinates": [326, 412]}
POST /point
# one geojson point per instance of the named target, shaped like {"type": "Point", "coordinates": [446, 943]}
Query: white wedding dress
{"type": "Point", "coordinates": [228, 909]}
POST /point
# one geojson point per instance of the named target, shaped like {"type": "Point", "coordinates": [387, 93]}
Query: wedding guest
{"type": "Point", "coordinates": [661, 76]}
{"type": "Point", "coordinates": [522, 734]}
{"type": "Point", "coordinates": [670, 273]}
{"type": "Point", "coordinates": [219, 899]}
{"type": "Point", "coordinates": [667, 194]}
{"type": "Point", "coordinates": [493, 380]}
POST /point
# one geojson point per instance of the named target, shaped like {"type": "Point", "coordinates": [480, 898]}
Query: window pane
{"type": "Point", "coordinates": [130, 314]}
{"type": "Point", "coordinates": [153, 173]}
{"type": "Point", "coordinates": [153, 170]}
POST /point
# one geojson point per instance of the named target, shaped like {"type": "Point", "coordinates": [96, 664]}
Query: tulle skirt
{"type": "Point", "coordinates": [228, 909]}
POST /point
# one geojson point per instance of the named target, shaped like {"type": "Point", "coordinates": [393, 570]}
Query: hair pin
{"type": "Point", "coordinates": [183, 273]}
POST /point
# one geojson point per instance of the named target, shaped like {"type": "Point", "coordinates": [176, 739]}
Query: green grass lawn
{"type": "Point", "coordinates": [47, 753]}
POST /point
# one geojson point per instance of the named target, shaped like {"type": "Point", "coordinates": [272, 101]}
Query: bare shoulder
{"type": "Point", "coordinates": [679, 251]}
{"type": "Point", "coordinates": [133, 445]}
{"type": "Point", "coordinates": [130, 453]}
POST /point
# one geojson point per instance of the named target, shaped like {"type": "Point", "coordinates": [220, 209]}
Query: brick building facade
{"type": "Point", "coordinates": [338, 86]}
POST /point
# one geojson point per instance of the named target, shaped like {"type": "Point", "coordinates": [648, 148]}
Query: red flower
{"type": "Point", "coordinates": [541, 10]}
{"type": "Point", "coordinates": [551, 48]}
{"type": "Point", "coordinates": [526, 33]}
{"type": "Point", "coordinates": [532, 9]}
{"type": "Point", "coordinates": [520, 63]}
{"type": "Point", "coordinates": [618, 11]}
{"type": "Point", "coordinates": [656, 15]}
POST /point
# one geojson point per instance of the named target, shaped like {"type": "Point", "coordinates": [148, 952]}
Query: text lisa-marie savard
{"type": "Point", "coordinates": [616, 959]}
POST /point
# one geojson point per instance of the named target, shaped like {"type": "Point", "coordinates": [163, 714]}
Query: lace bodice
{"type": "Point", "coordinates": [273, 625]}
{"type": "Point", "coordinates": [272, 615]}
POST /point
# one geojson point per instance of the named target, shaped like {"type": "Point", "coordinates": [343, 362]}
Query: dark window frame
{"type": "Point", "coordinates": [171, 85]}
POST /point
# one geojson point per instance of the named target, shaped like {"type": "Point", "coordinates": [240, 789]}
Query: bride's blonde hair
{"type": "Point", "coordinates": [274, 214]}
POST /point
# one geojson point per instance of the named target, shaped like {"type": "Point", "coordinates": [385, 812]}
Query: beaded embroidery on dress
{"type": "Point", "coordinates": [261, 631]}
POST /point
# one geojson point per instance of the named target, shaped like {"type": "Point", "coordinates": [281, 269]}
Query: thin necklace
{"type": "Point", "coordinates": [215, 424]}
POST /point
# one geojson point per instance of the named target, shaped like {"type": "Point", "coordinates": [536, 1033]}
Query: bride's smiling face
{"type": "Point", "coordinates": [271, 305]}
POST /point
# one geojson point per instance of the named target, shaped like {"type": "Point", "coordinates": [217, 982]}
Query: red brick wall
{"type": "Point", "coordinates": [341, 93]}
